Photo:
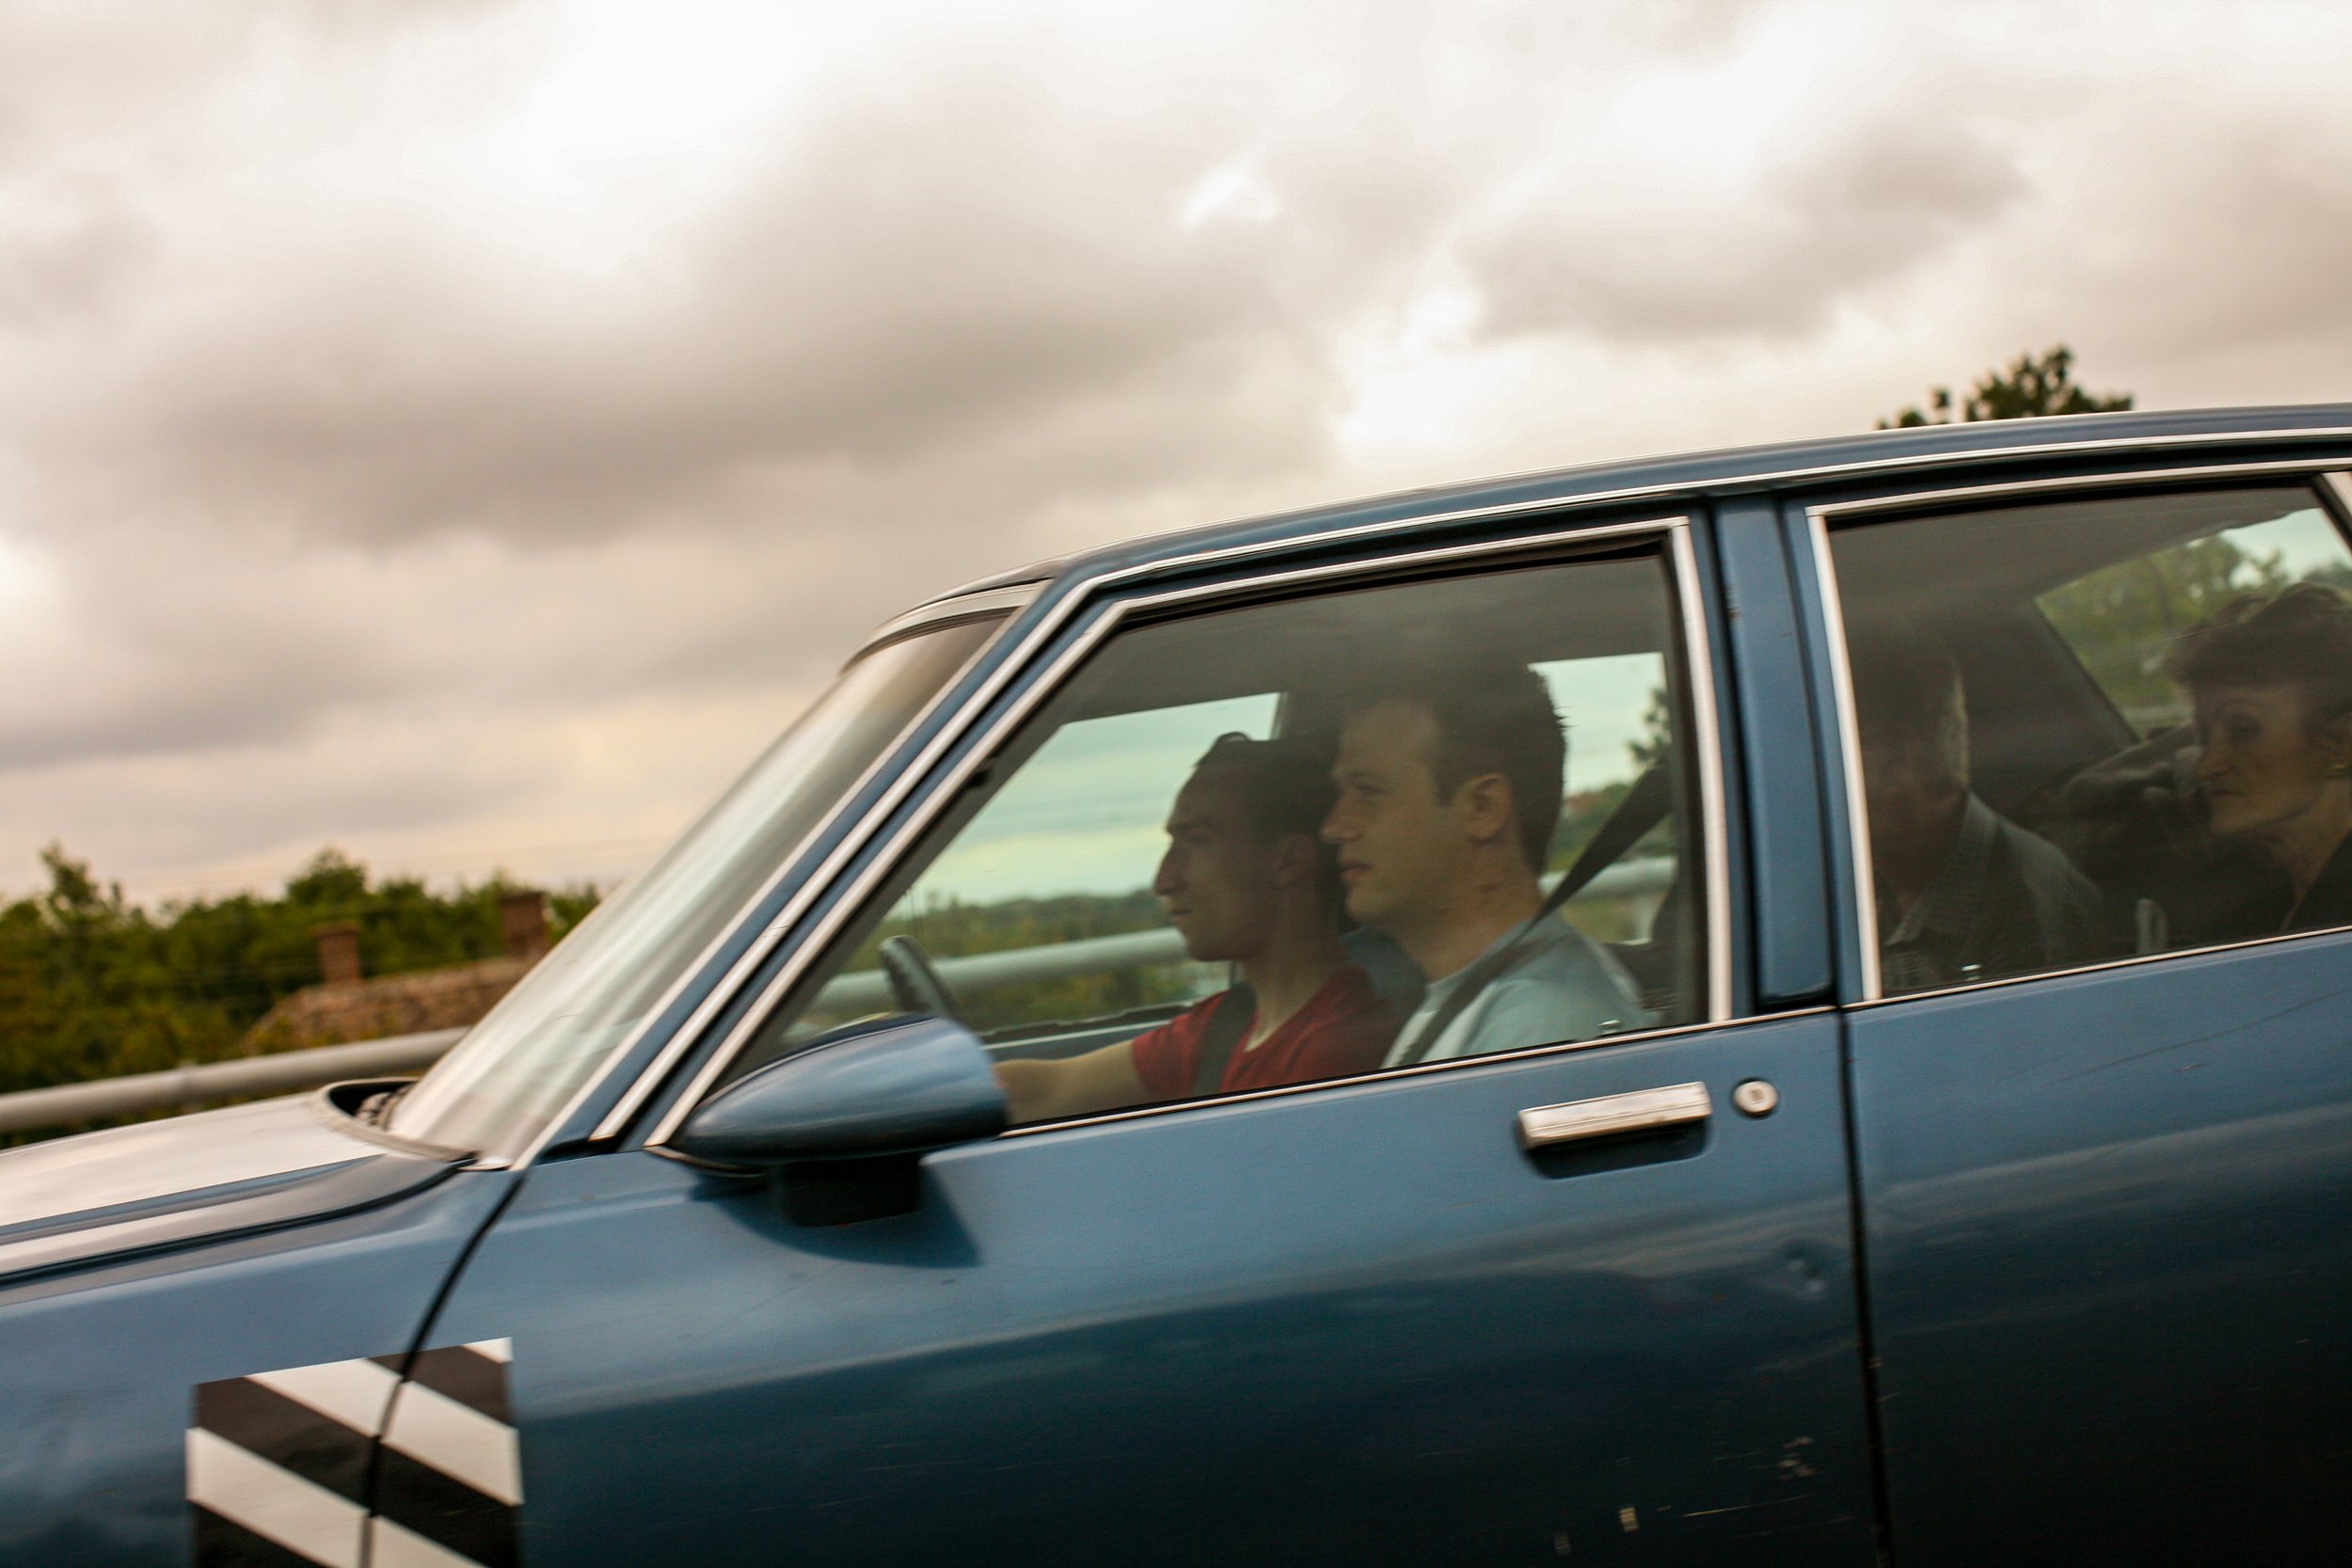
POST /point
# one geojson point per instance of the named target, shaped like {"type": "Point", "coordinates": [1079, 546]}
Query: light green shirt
{"type": "Point", "coordinates": [1559, 985]}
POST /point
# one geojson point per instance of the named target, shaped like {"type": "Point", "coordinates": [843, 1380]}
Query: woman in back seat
{"type": "Point", "coordinates": [2270, 676]}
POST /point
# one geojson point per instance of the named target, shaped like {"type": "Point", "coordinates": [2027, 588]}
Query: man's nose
{"type": "Point", "coordinates": [1165, 879]}
{"type": "Point", "coordinates": [1336, 828]}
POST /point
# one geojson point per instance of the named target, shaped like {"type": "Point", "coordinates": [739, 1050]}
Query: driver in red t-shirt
{"type": "Point", "coordinates": [1247, 882]}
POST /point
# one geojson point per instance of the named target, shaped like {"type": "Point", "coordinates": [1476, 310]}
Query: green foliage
{"type": "Point", "coordinates": [1583, 814]}
{"type": "Point", "coordinates": [93, 985]}
{"type": "Point", "coordinates": [2031, 387]}
{"type": "Point", "coordinates": [2122, 619]}
{"type": "Point", "coordinates": [1658, 728]}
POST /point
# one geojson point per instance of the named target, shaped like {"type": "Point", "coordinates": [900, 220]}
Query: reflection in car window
{"type": "Point", "coordinates": [2119, 619]}
{"type": "Point", "coordinates": [1309, 840]}
{"type": "Point", "coordinates": [2092, 730]}
{"type": "Point", "coordinates": [524, 1061]}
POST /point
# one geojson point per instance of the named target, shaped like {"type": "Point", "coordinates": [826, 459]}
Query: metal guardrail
{"type": "Point", "coordinates": [866, 990]}
{"type": "Point", "coordinates": [863, 990]}
{"type": "Point", "coordinates": [860, 991]}
{"type": "Point", "coordinates": [186, 1087]}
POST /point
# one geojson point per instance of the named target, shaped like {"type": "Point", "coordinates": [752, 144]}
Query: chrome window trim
{"type": "Point", "coordinates": [1673, 531]}
{"type": "Point", "coordinates": [1866, 896]}
{"type": "Point", "coordinates": [1008, 600]}
{"type": "Point", "coordinates": [2328, 472]}
{"type": "Point", "coordinates": [1082, 597]}
{"type": "Point", "coordinates": [1698, 650]}
{"type": "Point", "coordinates": [945, 613]}
{"type": "Point", "coordinates": [1869, 467]}
{"type": "Point", "coordinates": [1390, 1076]}
{"type": "Point", "coordinates": [2305, 465]}
{"type": "Point", "coordinates": [2132, 961]}
{"type": "Point", "coordinates": [2339, 485]}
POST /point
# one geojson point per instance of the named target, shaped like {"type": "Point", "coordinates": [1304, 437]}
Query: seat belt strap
{"type": "Point", "coordinates": [1643, 807]}
{"type": "Point", "coordinates": [1236, 1010]}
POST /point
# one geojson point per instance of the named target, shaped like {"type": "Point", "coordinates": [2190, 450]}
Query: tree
{"type": "Point", "coordinates": [2030, 388]}
{"type": "Point", "coordinates": [93, 986]}
{"type": "Point", "coordinates": [2122, 619]}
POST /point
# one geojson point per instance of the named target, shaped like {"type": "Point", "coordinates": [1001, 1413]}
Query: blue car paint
{"type": "Point", "coordinates": [99, 1365]}
{"type": "Point", "coordinates": [908, 1087]}
{"type": "Point", "coordinates": [2110, 1262]}
{"type": "Point", "coordinates": [1779, 764]}
{"type": "Point", "coordinates": [2104, 1230]}
{"type": "Point", "coordinates": [99, 1353]}
{"type": "Point", "coordinates": [1358, 1326]}
{"type": "Point", "coordinates": [153, 1168]}
{"type": "Point", "coordinates": [160, 1185]}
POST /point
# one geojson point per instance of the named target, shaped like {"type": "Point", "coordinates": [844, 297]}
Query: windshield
{"type": "Point", "coordinates": [521, 1064]}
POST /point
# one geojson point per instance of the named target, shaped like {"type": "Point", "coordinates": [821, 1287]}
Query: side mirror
{"type": "Point", "coordinates": [892, 1091]}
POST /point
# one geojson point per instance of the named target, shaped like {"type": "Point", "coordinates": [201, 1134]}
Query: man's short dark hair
{"type": "Point", "coordinates": [1492, 717]}
{"type": "Point", "coordinates": [1910, 702]}
{"type": "Point", "coordinates": [1284, 787]}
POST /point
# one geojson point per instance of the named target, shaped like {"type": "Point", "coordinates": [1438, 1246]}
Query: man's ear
{"type": "Point", "coordinates": [1484, 806]}
{"type": "Point", "coordinates": [2335, 743]}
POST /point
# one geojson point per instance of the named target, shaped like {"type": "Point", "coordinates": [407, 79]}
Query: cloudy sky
{"type": "Point", "coordinates": [463, 432]}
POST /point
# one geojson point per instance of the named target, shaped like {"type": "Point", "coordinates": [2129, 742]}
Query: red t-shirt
{"type": "Point", "coordinates": [1345, 1028]}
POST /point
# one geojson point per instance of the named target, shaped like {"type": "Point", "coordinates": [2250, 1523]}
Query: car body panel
{"type": "Point", "coordinates": [159, 1185]}
{"type": "Point", "coordinates": [2104, 1214]}
{"type": "Point", "coordinates": [1779, 764]}
{"type": "Point", "coordinates": [1354, 1325]}
{"type": "Point", "coordinates": [100, 1366]}
{"type": "Point", "coordinates": [2110, 1250]}
{"type": "Point", "coordinates": [155, 1167]}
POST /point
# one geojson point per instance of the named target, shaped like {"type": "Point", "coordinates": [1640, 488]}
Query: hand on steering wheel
{"type": "Point", "coordinates": [914, 984]}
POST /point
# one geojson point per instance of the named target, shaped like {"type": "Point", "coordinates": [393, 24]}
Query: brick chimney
{"type": "Point", "coordinates": [339, 951]}
{"type": "Point", "coordinates": [523, 920]}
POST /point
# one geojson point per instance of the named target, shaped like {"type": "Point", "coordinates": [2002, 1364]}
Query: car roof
{"type": "Point", "coordinates": [1727, 471]}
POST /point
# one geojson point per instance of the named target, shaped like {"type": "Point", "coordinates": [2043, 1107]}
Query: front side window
{"type": "Point", "coordinates": [1307, 840]}
{"type": "Point", "coordinates": [520, 1065]}
{"type": "Point", "coordinates": [2100, 729]}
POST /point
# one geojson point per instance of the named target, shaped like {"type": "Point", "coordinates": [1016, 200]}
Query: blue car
{"type": "Point", "coordinates": [1786, 1007]}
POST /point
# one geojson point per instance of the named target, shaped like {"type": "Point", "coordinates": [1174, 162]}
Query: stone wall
{"type": "Point", "coordinates": [342, 1011]}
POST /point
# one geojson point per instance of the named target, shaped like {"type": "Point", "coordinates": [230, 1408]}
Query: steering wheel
{"type": "Point", "coordinates": [915, 983]}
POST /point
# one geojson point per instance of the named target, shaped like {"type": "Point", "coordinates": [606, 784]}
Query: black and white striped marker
{"type": "Point", "coordinates": [279, 1462]}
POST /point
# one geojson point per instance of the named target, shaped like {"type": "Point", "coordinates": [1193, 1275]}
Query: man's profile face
{"type": "Point", "coordinates": [1910, 809]}
{"type": "Point", "coordinates": [1400, 846]}
{"type": "Point", "coordinates": [1217, 879]}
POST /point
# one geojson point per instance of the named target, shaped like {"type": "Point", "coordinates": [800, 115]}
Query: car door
{"type": "Point", "coordinates": [2104, 1189]}
{"type": "Point", "coordinates": [1368, 1319]}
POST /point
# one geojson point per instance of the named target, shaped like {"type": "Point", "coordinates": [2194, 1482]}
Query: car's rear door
{"type": "Point", "coordinates": [2105, 1192]}
{"type": "Point", "coordinates": [1354, 1322]}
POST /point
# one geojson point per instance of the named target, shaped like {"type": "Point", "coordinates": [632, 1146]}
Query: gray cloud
{"type": "Point", "coordinates": [2254, 225]}
{"type": "Point", "coordinates": [419, 429]}
{"type": "Point", "coordinates": [1831, 217]}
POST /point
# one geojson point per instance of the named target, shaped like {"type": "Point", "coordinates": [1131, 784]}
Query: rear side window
{"type": "Point", "coordinates": [2098, 729]}
{"type": "Point", "coordinates": [1311, 839]}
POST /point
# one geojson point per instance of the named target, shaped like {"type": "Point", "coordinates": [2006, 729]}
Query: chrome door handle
{"type": "Point", "coordinates": [1676, 1105]}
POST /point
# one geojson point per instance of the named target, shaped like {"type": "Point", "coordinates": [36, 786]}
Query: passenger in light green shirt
{"type": "Point", "coordinates": [1448, 777]}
